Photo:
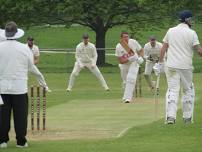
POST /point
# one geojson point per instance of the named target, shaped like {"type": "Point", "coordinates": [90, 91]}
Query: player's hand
{"type": "Point", "coordinates": [140, 60]}
{"type": "Point", "coordinates": [158, 68]}
{"type": "Point", "coordinates": [47, 89]}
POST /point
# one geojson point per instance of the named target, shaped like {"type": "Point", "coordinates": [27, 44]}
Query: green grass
{"type": "Point", "coordinates": [60, 37]}
{"type": "Point", "coordinates": [92, 119]}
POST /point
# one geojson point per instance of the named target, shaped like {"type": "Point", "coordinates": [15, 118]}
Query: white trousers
{"type": "Point", "coordinates": [94, 70]}
{"type": "Point", "coordinates": [149, 67]}
{"type": "Point", "coordinates": [175, 77]}
{"type": "Point", "coordinates": [148, 70]}
{"type": "Point", "coordinates": [129, 74]}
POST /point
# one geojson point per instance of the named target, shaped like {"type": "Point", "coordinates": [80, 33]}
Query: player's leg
{"type": "Point", "coordinates": [20, 114]}
{"type": "Point", "coordinates": [5, 117]}
{"type": "Point", "coordinates": [99, 76]}
{"type": "Point", "coordinates": [74, 74]}
{"type": "Point", "coordinates": [148, 70]}
{"type": "Point", "coordinates": [124, 72]}
{"type": "Point", "coordinates": [188, 95]}
{"type": "Point", "coordinates": [172, 95]}
{"type": "Point", "coordinates": [130, 82]}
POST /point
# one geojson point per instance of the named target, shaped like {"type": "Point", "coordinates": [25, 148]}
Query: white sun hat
{"type": "Point", "coordinates": [11, 32]}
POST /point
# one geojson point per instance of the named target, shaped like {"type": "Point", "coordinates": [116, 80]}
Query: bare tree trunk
{"type": "Point", "coordinates": [100, 43]}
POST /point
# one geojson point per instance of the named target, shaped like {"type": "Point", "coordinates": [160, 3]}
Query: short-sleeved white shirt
{"type": "Point", "coordinates": [35, 50]}
{"type": "Point", "coordinates": [153, 51]}
{"type": "Point", "coordinates": [181, 40]}
{"type": "Point", "coordinates": [133, 44]}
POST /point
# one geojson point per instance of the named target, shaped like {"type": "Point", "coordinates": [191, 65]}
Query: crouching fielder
{"type": "Point", "coordinates": [86, 57]}
{"type": "Point", "coordinates": [151, 54]}
{"type": "Point", "coordinates": [127, 52]}
{"type": "Point", "coordinates": [180, 41]}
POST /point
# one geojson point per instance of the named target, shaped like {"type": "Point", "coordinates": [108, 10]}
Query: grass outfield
{"type": "Point", "coordinates": [92, 120]}
{"type": "Point", "coordinates": [97, 121]}
{"type": "Point", "coordinates": [60, 37]}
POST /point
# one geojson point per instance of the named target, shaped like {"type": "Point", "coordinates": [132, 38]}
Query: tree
{"type": "Point", "coordinates": [98, 15]}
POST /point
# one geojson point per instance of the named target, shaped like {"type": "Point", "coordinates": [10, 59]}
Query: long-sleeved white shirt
{"type": "Point", "coordinates": [86, 53]}
{"type": "Point", "coordinates": [16, 60]}
{"type": "Point", "coordinates": [153, 52]}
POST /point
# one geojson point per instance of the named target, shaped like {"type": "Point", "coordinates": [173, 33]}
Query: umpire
{"type": "Point", "coordinates": [15, 61]}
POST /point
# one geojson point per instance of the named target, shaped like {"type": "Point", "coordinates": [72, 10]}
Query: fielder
{"type": "Point", "coordinates": [86, 57]}
{"type": "Point", "coordinates": [129, 67]}
{"type": "Point", "coordinates": [34, 48]}
{"type": "Point", "coordinates": [180, 42]}
{"type": "Point", "coordinates": [151, 55]}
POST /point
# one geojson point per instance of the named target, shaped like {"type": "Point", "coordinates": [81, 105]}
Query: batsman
{"type": "Point", "coordinates": [130, 55]}
{"type": "Point", "coordinates": [180, 42]}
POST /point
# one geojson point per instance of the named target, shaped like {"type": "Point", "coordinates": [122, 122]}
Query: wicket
{"type": "Point", "coordinates": [36, 96]}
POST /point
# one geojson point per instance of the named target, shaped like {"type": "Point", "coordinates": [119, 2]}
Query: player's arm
{"type": "Point", "coordinates": [138, 57]}
{"type": "Point", "coordinates": [35, 71]}
{"type": "Point", "coordinates": [162, 52]}
{"type": "Point", "coordinates": [198, 49]}
{"type": "Point", "coordinates": [141, 52]}
{"type": "Point", "coordinates": [121, 58]}
{"type": "Point", "coordinates": [94, 59]}
{"type": "Point", "coordinates": [146, 53]}
{"type": "Point", "coordinates": [36, 55]}
{"type": "Point", "coordinates": [78, 57]}
{"type": "Point", "coordinates": [36, 59]}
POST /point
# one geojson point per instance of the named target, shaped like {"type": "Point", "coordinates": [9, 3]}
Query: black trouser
{"type": "Point", "coordinates": [19, 105]}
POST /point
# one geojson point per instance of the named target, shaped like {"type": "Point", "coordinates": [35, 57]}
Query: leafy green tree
{"type": "Point", "coordinates": [98, 15]}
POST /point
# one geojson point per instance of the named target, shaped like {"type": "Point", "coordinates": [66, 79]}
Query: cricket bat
{"type": "Point", "coordinates": [126, 47]}
{"type": "Point", "coordinates": [124, 59]}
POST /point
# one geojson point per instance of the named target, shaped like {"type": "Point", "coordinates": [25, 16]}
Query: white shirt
{"type": "Point", "coordinates": [15, 62]}
{"type": "Point", "coordinates": [181, 40]}
{"type": "Point", "coordinates": [154, 52]}
{"type": "Point", "coordinates": [133, 44]}
{"type": "Point", "coordinates": [35, 50]}
{"type": "Point", "coordinates": [86, 53]}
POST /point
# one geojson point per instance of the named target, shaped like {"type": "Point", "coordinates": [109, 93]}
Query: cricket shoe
{"type": "Point", "coordinates": [3, 145]}
{"type": "Point", "coordinates": [126, 101]}
{"type": "Point", "coordinates": [187, 120]}
{"type": "Point", "coordinates": [23, 146]}
{"type": "Point", "coordinates": [170, 120]}
{"type": "Point", "coordinates": [107, 89]}
{"type": "Point", "coordinates": [68, 90]}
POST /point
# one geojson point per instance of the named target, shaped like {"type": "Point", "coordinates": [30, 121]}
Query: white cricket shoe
{"type": "Point", "coordinates": [3, 145]}
{"type": "Point", "coordinates": [187, 120]}
{"type": "Point", "coordinates": [107, 89]}
{"type": "Point", "coordinates": [23, 146]}
{"type": "Point", "coordinates": [170, 120]}
{"type": "Point", "coordinates": [126, 101]}
{"type": "Point", "coordinates": [68, 90]}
